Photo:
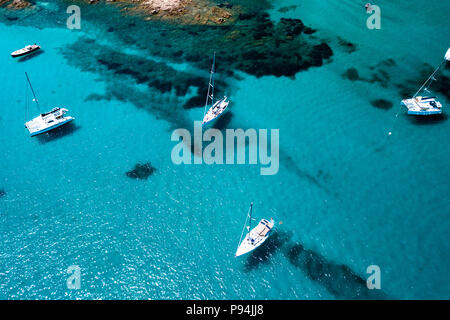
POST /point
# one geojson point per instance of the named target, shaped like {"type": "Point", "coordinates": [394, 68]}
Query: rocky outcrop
{"type": "Point", "coordinates": [141, 171]}
{"type": "Point", "coordinates": [189, 12]}
{"type": "Point", "coordinates": [15, 4]}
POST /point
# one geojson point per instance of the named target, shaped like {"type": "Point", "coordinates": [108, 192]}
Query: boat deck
{"type": "Point", "coordinates": [216, 110]}
{"type": "Point", "coordinates": [26, 50]}
{"type": "Point", "coordinates": [422, 106]}
{"type": "Point", "coordinates": [48, 121]}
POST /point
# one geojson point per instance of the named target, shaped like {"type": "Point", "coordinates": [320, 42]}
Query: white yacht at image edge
{"type": "Point", "coordinates": [423, 105]}
{"type": "Point", "coordinates": [218, 108]}
{"type": "Point", "coordinates": [46, 121]}
{"type": "Point", "coordinates": [256, 236]}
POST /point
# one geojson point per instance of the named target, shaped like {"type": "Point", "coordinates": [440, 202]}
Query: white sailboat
{"type": "Point", "coordinates": [46, 121]}
{"type": "Point", "coordinates": [424, 105]}
{"type": "Point", "coordinates": [254, 237]}
{"type": "Point", "coordinates": [217, 108]}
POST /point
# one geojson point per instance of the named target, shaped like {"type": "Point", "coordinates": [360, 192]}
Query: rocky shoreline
{"type": "Point", "coordinates": [189, 12]}
{"type": "Point", "coordinates": [244, 37]}
{"type": "Point", "coordinates": [15, 4]}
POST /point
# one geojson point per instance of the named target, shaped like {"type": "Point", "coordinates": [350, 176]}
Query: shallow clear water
{"type": "Point", "coordinates": [346, 192]}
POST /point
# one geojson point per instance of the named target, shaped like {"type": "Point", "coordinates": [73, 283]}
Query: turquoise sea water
{"type": "Point", "coordinates": [347, 194]}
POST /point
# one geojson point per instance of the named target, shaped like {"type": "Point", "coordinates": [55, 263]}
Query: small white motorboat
{"type": "Point", "coordinates": [24, 51]}
{"type": "Point", "coordinates": [256, 236]}
{"type": "Point", "coordinates": [218, 108]}
{"type": "Point", "coordinates": [425, 106]}
{"type": "Point", "coordinates": [46, 121]}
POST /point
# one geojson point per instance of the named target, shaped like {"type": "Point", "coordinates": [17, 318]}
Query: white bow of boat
{"type": "Point", "coordinates": [256, 236]}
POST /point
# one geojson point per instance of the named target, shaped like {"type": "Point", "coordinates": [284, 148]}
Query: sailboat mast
{"type": "Point", "coordinates": [429, 78]}
{"type": "Point", "coordinates": [250, 216]}
{"type": "Point", "coordinates": [210, 86]}
{"type": "Point", "coordinates": [32, 90]}
{"type": "Point", "coordinates": [212, 73]}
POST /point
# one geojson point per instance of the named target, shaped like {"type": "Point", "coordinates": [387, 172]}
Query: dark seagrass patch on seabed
{"type": "Point", "coordinates": [381, 104]}
{"type": "Point", "coordinates": [440, 85]}
{"type": "Point", "coordinates": [141, 171]}
{"type": "Point", "coordinates": [379, 73]}
{"type": "Point", "coordinates": [348, 46]}
{"type": "Point", "coordinates": [351, 74]}
{"type": "Point", "coordinates": [287, 8]}
{"type": "Point", "coordinates": [338, 279]}
{"type": "Point", "coordinates": [253, 43]}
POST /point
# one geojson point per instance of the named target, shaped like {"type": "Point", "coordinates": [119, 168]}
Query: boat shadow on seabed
{"type": "Point", "coordinates": [337, 279]}
{"type": "Point", "coordinates": [57, 133]}
{"type": "Point", "coordinates": [30, 56]}
{"type": "Point", "coordinates": [223, 121]}
{"type": "Point", "coordinates": [262, 254]}
{"type": "Point", "coordinates": [428, 120]}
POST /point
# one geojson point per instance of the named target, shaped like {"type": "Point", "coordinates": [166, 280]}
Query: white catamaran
{"type": "Point", "coordinates": [424, 106]}
{"type": "Point", "coordinates": [218, 108]}
{"type": "Point", "coordinates": [254, 237]}
{"type": "Point", "coordinates": [46, 121]}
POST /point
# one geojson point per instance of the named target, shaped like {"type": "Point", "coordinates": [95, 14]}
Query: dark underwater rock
{"type": "Point", "coordinates": [225, 5]}
{"type": "Point", "coordinates": [351, 74]}
{"type": "Point", "coordinates": [309, 30]}
{"type": "Point", "coordinates": [246, 16]}
{"type": "Point", "coordinates": [194, 102]}
{"type": "Point", "coordinates": [347, 45]}
{"type": "Point", "coordinates": [320, 52]}
{"type": "Point", "coordinates": [141, 171]}
{"type": "Point", "coordinates": [442, 85]}
{"type": "Point", "coordinates": [2, 193]}
{"type": "Point", "coordinates": [287, 8]}
{"type": "Point", "coordinates": [292, 27]}
{"type": "Point", "coordinates": [381, 104]}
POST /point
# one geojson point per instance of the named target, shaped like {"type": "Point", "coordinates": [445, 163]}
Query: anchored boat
{"type": "Point", "coordinates": [254, 237]}
{"type": "Point", "coordinates": [217, 108]}
{"type": "Point", "coordinates": [46, 121]}
{"type": "Point", "coordinates": [423, 105]}
{"type": "Point", "coordinates": [26, 50]}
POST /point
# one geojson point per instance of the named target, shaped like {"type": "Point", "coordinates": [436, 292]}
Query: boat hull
{"type": "Point", "coordinates": [425, 113]}
{"type": "Point", "coordinates": [52, 127]}
{"type": "Point", "coordinates": [256, 237]}
{"type": "Point", "coordinates": [226, 103]}
{"type": "Point", "coordinates": [212, 120]}
{"type": "Point", "coordinates": [17, 54]}
{"type": "Point", "coordinates": [422, 107]}
{"type": "Point", "coordinates": [246, 248]}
